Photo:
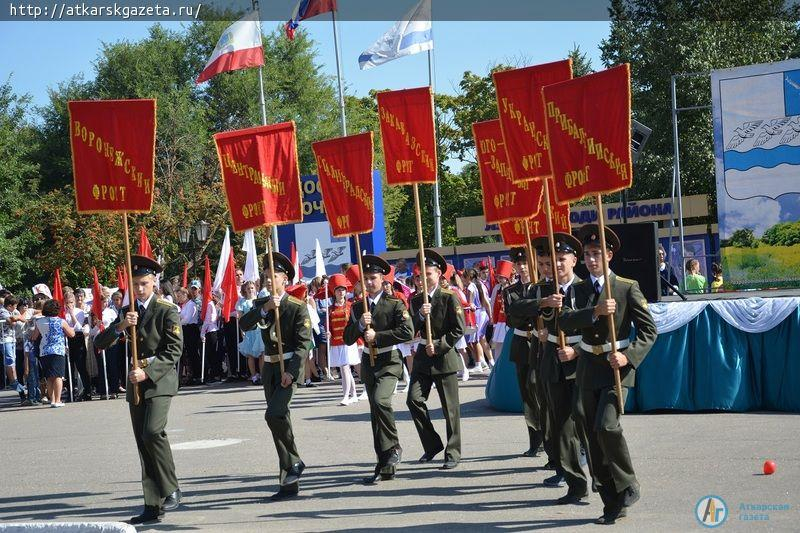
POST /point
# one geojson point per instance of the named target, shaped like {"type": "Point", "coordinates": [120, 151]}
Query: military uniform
{"type": "Point", "coordinates": [447, 326]}
{"type": "Point", "coordinates": [159, 344]}
{"type": "Point", "coordinates": [562, 396]}
{"type": "Point", "coordinates": [610, 460]}
{"type": "Point", "coordinates": [526, 307]}
{"type": "Point", "coordinates": [520, 352]}
{"type": "Point", "coordinates": [296, 337]}
{"type": "Point", "coordinates": [392, 325]}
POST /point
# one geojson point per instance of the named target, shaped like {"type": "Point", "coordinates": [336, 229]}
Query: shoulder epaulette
{"type": "Point", "coordinates": [162, 301]}
{"type": "Point", "coordinates": [392, 298]}
{"type": "Point", "coordinates": [626, 280]}
{"type": "Point", "coordinates": [295, 301]}
{"type": "Point", "coordinates": [446, 291]}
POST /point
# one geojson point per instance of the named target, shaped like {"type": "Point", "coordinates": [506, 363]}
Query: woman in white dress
{"type": "Point", "coordinates": [252, 346]}
{"type": "Point", "coordinates": [341, 354]}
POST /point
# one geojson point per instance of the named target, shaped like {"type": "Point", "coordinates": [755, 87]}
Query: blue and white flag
{"type": "Point", "coordinates": [411, 35]}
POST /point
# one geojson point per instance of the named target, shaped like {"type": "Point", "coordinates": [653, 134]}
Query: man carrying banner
{"type": "Point", "coordinates": [599, 412]}
{"type": "Point", "coordinates": [558, 367]}
{"type": "Point", "coordinates": [385, 325]}
{"type": "Point", "coordinates": [437, 363]}
{"type": "Point", "coordinates": [519, 353]}
{"type": "Point", "coordinates": [160, 346]}
{"type": "Point", "coordinates": [295, 330]}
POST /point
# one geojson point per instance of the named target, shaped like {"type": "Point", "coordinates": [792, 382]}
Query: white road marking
{"type": "Point", "coordinates": [205, 444]}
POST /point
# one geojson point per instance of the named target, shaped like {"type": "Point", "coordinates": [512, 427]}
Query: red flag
{"type": "Point", "coordinates": [298, 272]}
{"type": "Point", "coordinates": [522, 116]}
{"type": "Point", "coordinates": [122, 280]}
{"type": "Point", "coordinates": [589, 125]}
{"type": "Point", "coordinates": [97, 295]}
{"type": "Point", "coordinates": [503, 198]}
{"type": "Point", "coordinates": [261, 175]}
{"type": "Point", "coordinates": [407, 132]}
{"type": "Point", "coordinates": [58, 292]}
{"type": "Point", "coordinates": [206, 290]}
{"type": "Point", "coordinates": [492, 279]}
{"type": "Point", "coordinates": [144, 244]}
{"type": "Point", "coordinates": [344, 166]}
{"type": "Point", "coordinates": [113, 155]}
{"type": "Point", "coordinates": [513, 231]}
{"type": "Point", "coordinates": [185, 280]}
{"type": "Point", "coordinates": [229, 289]}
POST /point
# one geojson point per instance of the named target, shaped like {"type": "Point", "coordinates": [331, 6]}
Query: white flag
{"type": "Point", "coordinates": [251, 262]}
{"type": "Point", "coordinates": [223, 260]}
{"type": "Point", "coordinates": [411, 35]}
{"type": "Point", "coordinates": [319, 265]}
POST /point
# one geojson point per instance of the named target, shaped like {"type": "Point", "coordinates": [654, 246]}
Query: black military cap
{"type": "Point", "coordinates": [433, 259]}
{"type": "Point", "coordinates": [375, 265]}
{"type": "Point", "coordinates": [143, 266]}
{"type": "Point", "coordinates": [564, 243]}
{"type": "Point", "coordinates": [590, 234]}
{"type": "Point", "coordinates": [517, 254]}
{"type": "Point", "coordinates": [282, 264]}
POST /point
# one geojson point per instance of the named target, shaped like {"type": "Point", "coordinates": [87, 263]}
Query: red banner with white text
{"type": "Point", "coordinates": [589, 125]}
{"type": "Point", "coordinates": [513, 231]}
{"type": "Point", "coordinates": [261, 175]}
{"type": "Point", "coordinates": [503, 199]}
{"type": "Point", "coordinates": [344, 167]}
{"type": "Point", "coordinates": [407, 132]}
{"type": "Point", "coordinates": [519, 107]}
{"type": "Point", "coordinates": [113, 154]}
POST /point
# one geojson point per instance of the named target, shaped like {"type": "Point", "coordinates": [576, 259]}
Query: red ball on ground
{"type": "Point", "coordinates": [769, 467]}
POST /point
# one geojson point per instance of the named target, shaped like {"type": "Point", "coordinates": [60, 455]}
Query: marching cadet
{"type": "Point", "coordinates": [558, 367]}
{"type": "Point", "coordinates": [610, 462]}
{"type": "Point", "coordinates": [159, 344]}
{"type": "Point", "coordinates": [527, 307]}
{"type": "Point", "coordinates": [279, 388]}
{"type": "Point", "coordinates": [522, 324]}
{"type": "Point", "coordinates": [385, 325]}
{"type": "Point", "coordinates": [437, 363]}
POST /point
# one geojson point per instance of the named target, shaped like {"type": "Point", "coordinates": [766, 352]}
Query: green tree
{"type": "Point", "coordinates": [782, 234]}
{"type": "Point", "coordinates": [743, 238]}
{"type": "Point", "coordinates": [661, 38]}
{"type": "Point", "coordinates": [18, 180]}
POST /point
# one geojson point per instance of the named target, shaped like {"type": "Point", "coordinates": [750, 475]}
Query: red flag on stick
{"type": "Point", "coordinates": [298, 272]}
{"type": "Point", "coordinates": [206, 290]}
{"type": "Point", "coordinates": [58, 291]}
{"type": "Point", "coordinates": [144, 244]}
{"type": "Point", "coordinates": [122, 280]}
{"type": "Point", "coordinates": [407, 131]}
{"type": "Point", "coordinates": [344, 166]}
{"type": "Point", "coordinates": [503, 198]}
{"type": "Point", "coordinates": [185, 279]}
{"type": "Point", "coordinates": [113, 155]}
{"type": "Point", "coordinates": [522, 116]}
{"type": "Point", "coordinates": [513, 231]}
{"type": "Point", "coordinates": [229, 289]}
{"type": "Point", "coordinates": [590, 145]}
{"type": "Point", "coordinates": [261, 175]}
{"type": "Point", "coordinates": [97, 295]}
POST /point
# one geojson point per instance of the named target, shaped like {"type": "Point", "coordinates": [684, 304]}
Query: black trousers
{"type": "Point", "coordinates": [77, 355]}
{"type": "Point", "coordinates": [111, 369]}
{"type": "Point", "coordinates": [231, 334]}
{"type": "Point", "coordinates": [213, 360]}
{"type": "Point", "coordinates": [191, 348]}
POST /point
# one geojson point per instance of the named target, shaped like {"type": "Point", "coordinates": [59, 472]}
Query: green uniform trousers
{"type": "Point", "coordinates": [609, 459]}
{"type": "Point", "coordinates": [278, 417]}
{"type": "Point", "coordinates": [530, 407]}
{"type": "Point", "coordinates": [564, 434]}
{"type": "Point", "coordinates": [418, 392]}
{"type": "Point", "coordinates": [542, 410]}
{"type": "Point", "coordinates": [149, 419]}
{"type": "Point", "coordinates": [384, 431]}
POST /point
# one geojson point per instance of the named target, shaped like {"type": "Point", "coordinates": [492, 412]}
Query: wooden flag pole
{"type": "Point", "coordinates": [372, 349]}
{"type": "Point", "coordinates": [612, 332]}
{"type": "Point", "coordinates": [277, 309]}
{"type": "Point", "coordinates": [131, 308]}
{"type": "Point", "coordinates": [553, 259]}
{"type": "Point", "coordinates": [428, 336]}
{"type": "Point", "coordinates": [534, 272]}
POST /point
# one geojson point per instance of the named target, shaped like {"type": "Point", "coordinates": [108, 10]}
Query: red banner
{"type": "Point", "coordinates": [344, 166]}
{"type": "Point", "coordinates": [589, 125]}
{"type": "Point", "coordinates": [522, 117]}
{"type": "Point", "coordinates": [513, 231]}
{"type": "Point", "coordinates": [261, 175]}
{"type": "Point", "coordinates": [407, 132]}
{"type": "Point", "coordinates": [503, 199]}
{"type": "Point", "coordinates": [113, 145]}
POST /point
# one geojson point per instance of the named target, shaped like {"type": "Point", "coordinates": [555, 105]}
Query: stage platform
{"type": "Point", "coordinates": [712, 353]}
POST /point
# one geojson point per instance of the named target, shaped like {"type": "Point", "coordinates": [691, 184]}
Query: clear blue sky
{"type": "Point", "coordinates": [46, 53]}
